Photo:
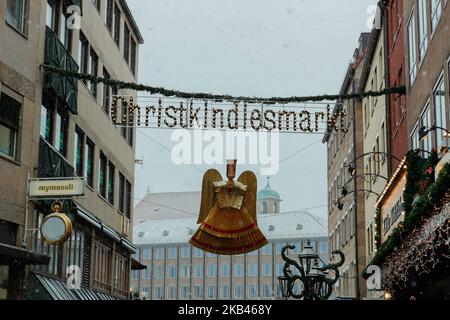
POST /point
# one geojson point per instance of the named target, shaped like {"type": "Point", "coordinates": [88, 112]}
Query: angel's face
{"type": "Point", "coordinates": [231, 171]}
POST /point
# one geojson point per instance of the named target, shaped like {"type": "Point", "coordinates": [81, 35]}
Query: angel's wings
{"type": "Point", "coordinates": [207, 202]}
{"type": "Point", "coordinates": [249, 179]}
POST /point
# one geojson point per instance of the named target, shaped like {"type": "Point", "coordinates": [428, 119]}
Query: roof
{"type": "Point", "coordinates": [268, 193]}
{"type": "Point", "coordinates": [280, 226]}
{"type": "Point", "coordinates": [169, 205]}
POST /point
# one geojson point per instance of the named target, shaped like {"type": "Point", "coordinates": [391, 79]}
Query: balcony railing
{"type": "Point", "coordinates": [56, 55]}
{"type": "Point", "coordinates": [51, 163]}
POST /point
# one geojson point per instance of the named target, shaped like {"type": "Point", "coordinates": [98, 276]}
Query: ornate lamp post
{"type": "Point", "coordinates": [312, 281]}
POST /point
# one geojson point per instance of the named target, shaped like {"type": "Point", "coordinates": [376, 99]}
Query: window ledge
{"type": "Point", "coordinates": [9, 159]}
{"type": "Point", "coordinates": [24, 35]}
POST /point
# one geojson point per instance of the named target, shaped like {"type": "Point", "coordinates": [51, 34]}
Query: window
{"type": "Point", "coordinates": [436, 12]}
{"type": "Point", "coordinates": [106, 93]}
{"type": "Point", "coordinates": [279, 270]}
{"type": "Point", "coordinates": [121, 193]}
{"type": "Point", "coordinates": [224, 292]}
{"type": "Point", "coordinates": [51, 15]}
{"type": "Point", "coordinates": [93, 72]}
{"type": "Point", "coordinates": [126, 44]}
{"type": "Point", "coordinates": [135, 274]}
{"type": "Point", "coordinates": [133, 56]}
{"type": "Point", "coordinates": [252, 290]}
{"type": "Point", "coordinates": [238, 291]}
{"type": "Point", "coordinates": [102, 175]}
{"type": "Point", "coordinates": [83, 54]}
{"type": "Point", "coordinates": [159, 253]}
{"type": "Point", "coordinates": [198, 292]}
{"type": "Point", "coordinates": [186, 252]}
{"type": "Point", "coordinates": [46, 124]}
{"type": "Point", "coordinates": [111, 179]}
{"type": "Point", "coordinates": [61, 128]}
{"type": "Point", "coordinates": [185, 271]}
{"type": "Point", "coordinates": [79, 152]}
{"type": "Point", "coordinates": [211, 291]}
{"type": "Point", "coordinates": [198, 271]}
{"type": "Point", "coordinates": [426, 122]}
{"type": "Point", "coordinates": [184, 292]}
{"type": "Point", "coordinates": [252, 270]}
{"type": "Point", "coordinates": [65, 34]}
{"type": "Point", "coordinates": [172, 272]}
{"type": "Point", "coordinates": [109, 14]}
{"type": "Point", "coordinates": [117, 15]}
{"type": "Point", "coordinates": [171, 292]}
{"type": "Point", "coordinates": [279, 247]}
{"type": "Point", "coordinates": [17, 15]}
{"type": "Point", "coordinates": [172, 252]}
{"type": "Point", "coordinates": [102, 266]}
{"type": "Point", "coordinates": [440, 112]}
{"type": "Point", "coordinates": [90, 162]}
{"type": "Point", "coordinates": [146, 273]}
{"type": "Point", "coordinates": [9, 125]}
{"type": "Point", "coordinates": [158, 293]}
{"type": "Point", "coordinates": [238, 270]}
{"type": "Point", "coordinates": [266, 290]}
{"type": "Point", "coordinates": [267, 269]}
{"type": "Point", "coordinates": [75, 248]}
{"type": "Point", "coordinates": [147, 253]}
{"type": "Point", "coordinates": [423, 32]}
{"type": "Point", "coordinates": [128, 204]}
{"type": "Point", "coordinates": [412, 61]}
{"type": "Point", "coordinates": [267, 250]}
{"type": "Point", "coordinates": [198, 253]}
{"type": "Point", "coordinates": [225, 270]}
{"type": "Point", "coordinates": [158, 272]}
{"type": "Point", "coordinates": [212, 270]}
{"type": "Point", "coordinates": [323, 246]}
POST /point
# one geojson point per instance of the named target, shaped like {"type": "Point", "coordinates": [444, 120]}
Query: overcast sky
{"type": "Point", "coordinates": [252, 48]}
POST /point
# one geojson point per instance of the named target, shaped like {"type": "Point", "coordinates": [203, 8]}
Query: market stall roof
{"type": "Point", "coordinates": [21, 255]}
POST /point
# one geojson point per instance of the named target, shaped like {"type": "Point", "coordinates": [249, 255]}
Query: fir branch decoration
{"type": "Point", "coordinates": [401, 90]}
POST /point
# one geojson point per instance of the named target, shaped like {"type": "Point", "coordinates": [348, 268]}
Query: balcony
{"type": "Point", "coordinates": [51, 163]}
{"type": "Point", "coordinates": [56, 55]}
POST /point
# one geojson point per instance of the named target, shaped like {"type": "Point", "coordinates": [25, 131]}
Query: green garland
{"type": "Point", "coordinates": [173, 93]}
{"type": "Point", "coordinates": [423, 207]}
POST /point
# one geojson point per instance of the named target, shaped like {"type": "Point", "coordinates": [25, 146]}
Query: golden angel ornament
{"type": "Point", "coordinates": [227, 217]}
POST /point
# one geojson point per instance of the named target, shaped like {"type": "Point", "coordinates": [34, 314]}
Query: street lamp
{"type": "Point", "coordinates": [313, 282]}
{"type": "Point", "coordinates": [424, 131]}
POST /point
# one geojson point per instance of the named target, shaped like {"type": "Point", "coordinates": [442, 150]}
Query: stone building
{"type": "Point", "coordinates": [176, 270]}
{"type": "Point", "coordinates": [54, 127]}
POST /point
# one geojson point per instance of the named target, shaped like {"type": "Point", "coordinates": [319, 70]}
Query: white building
{"type": "Point", "coordinates": [176, 270]}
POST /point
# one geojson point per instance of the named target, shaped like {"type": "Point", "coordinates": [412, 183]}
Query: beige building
{"type": "Point", "coordinates": [65, 131]}
{"type": "Point", "coordinates": [176, 270]}
{"type": "Point", "coordinates": [346, 195]}
{"type": "Point", "coordinates": [376, 161]}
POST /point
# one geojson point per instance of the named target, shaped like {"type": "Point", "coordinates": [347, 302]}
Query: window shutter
{"type": "Point", "coordinates": [9, 111]}
{"type": "Point", "coordinates": [87, 260]}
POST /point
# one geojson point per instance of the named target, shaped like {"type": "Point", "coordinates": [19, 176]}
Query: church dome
{"type": "Point", "coordinates": [268, 193]}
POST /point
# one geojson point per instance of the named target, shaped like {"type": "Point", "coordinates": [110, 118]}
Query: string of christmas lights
{"type": "Point", "coordinates": [208, 96]}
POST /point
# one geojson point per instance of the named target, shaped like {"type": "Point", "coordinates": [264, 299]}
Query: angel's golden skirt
{"type": "Point", "coordinates": [228, 232]}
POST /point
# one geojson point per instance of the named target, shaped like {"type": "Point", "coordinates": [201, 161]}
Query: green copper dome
{"type": "Point", "coordinates": [268, 193]}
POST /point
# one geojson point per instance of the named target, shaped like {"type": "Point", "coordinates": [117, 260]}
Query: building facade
{"type": "Point", "coordinates": [176, 270]}
{"type": "Point", "coordinates": [346, 194]}
{"type": "Point", "coordinates": [419, 267]}
{"type": "Point", "coordinates": [376, 159]}
{"type": "Point", "coordinates": [67, 133]}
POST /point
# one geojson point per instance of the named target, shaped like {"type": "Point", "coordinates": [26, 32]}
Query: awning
{"type": "Point", "coordinates": [136, 265]}
{"type": "Point", "coordinates": [58, 290]}
{"type": "Point", "coordinates": [90, 218]}
{"type": "Point", "coordinates": [10, 253]}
